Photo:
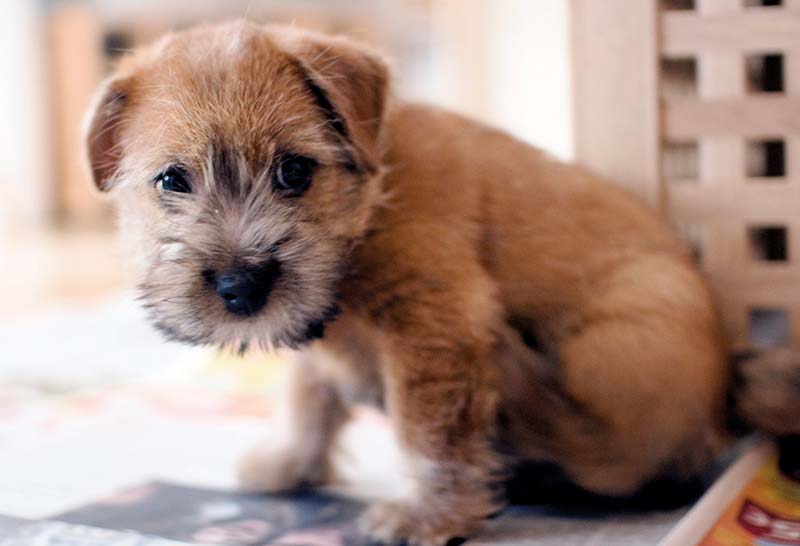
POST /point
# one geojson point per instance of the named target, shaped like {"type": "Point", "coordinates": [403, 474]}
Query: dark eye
{"type": "Point", "coordinates": [294, 174]}
{"type": "Point", "coordinates": [174, 179]}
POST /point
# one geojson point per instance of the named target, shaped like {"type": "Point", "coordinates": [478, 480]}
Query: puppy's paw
{"type": "Point", "coordinates": [392, 523]}
{"type": "Point", "coordinates": [271, 467]}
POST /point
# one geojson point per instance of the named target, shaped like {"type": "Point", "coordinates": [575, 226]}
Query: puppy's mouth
{"type": "Point", "coordinates": [244, 291]}
{"type": "Point", "coordinates": [265, 307]}
{"type": "Point", "coordinates": [283, 298]}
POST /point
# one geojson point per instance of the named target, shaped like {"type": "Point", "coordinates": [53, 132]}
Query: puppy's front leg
{"type": "Point", "coordinates": [296, 454]}
{"type": "Point", "coordinates": [443, 413]}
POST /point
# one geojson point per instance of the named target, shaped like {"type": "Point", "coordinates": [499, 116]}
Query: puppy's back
{"type": "Point", "coordinates": [538, 224]}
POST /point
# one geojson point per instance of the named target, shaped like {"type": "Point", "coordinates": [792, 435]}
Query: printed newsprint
{"type": "Point", "coordinates": [756, 502]}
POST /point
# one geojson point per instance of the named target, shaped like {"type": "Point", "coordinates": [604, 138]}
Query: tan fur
{"type": "Point", "coordinates": [489, 294]}
{"type": "Point", "coordinates": [767, 395]}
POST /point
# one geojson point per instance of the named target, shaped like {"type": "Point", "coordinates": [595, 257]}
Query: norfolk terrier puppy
{"type": "Point", "coordinates": [499, 305]}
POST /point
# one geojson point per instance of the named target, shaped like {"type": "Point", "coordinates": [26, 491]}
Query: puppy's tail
{"type": "Point", "coordinates": [766, 392]}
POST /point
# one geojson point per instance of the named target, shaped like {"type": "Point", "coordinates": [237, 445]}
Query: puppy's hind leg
{"type": "Point", "coordinates": [632, 397]}
{"type": "Point", "coordinates": [535, 412]}
{"type": "Point", "coordinates": [296, 453]}
{"type": "Point", "coordinates": [625, 402]}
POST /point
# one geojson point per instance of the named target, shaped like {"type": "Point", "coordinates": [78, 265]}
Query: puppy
{"type": "Point", "coordinates": [499, 305]}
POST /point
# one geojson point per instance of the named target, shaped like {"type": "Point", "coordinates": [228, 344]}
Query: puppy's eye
{"type": "Point", "coordinates": [294, 174]}
{"type": "Point", "coordinates": [174, 179]}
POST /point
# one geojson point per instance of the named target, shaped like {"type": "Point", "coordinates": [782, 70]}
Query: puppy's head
{"type": "Point", "coordinates": [245, 162]}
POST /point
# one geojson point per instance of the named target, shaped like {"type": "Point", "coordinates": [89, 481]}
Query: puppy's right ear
{"type": "Point", "coordinates": [349, 83]}
{"type": "Point", "coordinates": [101, 130]}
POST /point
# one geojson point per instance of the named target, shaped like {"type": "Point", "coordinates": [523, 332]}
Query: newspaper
{"type": "Point", "coordinates": [79, 423]}
{"type": "Point", "coordinates": [188, 424]}
{"type": "Point", "coordinates": [162, 514]}
{"type": "Point", "coordinates": [756, 502]}
{"type": "Point", "coordinates": [18, 532]}
{"type": "Point", "coordinates": [520, 527]}
{"type": "Point", "coordinates": [209, 516]}
{"type": "Point", "coordinates": [82, 448]}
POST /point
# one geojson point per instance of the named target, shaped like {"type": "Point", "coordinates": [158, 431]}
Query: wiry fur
{"type": "Point", "coordinates": [767, 392]}
{"type": "Point", "coordinates": [192, 105]}
{"type": "Point", "coordinates": [489, 295]}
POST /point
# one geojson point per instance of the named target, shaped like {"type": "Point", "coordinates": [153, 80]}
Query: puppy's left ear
{"type": "Point", "coordinates": [101, 129]}
{"type": "Point", "coordinates": [348, 82]}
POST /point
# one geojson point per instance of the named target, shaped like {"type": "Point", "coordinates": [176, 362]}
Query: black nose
{"type": "Point", "coordinates": [244, 291]}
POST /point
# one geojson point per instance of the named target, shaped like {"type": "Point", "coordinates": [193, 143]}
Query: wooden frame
{"type": "Point", "coordinates": [739, 209]}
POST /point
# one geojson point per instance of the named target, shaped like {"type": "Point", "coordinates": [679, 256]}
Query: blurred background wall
{"type": "Point", "coordinates": [504, 61]}
{"type": "Point", "coordinates": [26, 175]}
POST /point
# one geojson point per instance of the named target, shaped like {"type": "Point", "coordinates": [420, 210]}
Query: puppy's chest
{"type": "Point", "coordinates": [348, 357]}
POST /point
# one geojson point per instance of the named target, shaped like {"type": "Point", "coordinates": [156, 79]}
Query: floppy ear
{"type": "Point", "coordinates": [348, 82]}
{"type": "Point", "coordinates": [101, 130]}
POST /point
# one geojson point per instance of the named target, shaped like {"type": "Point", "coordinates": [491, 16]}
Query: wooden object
{"type": "Point", "coordinates": [695, 106]}
{"type": "Point", "coordinates": [76, 60]}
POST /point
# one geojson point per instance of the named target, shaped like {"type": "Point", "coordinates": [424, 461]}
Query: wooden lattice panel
{"type": "Point", "coordinates": [743, 121]}
{"type": "Point", "coordinates": [725, 118]}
